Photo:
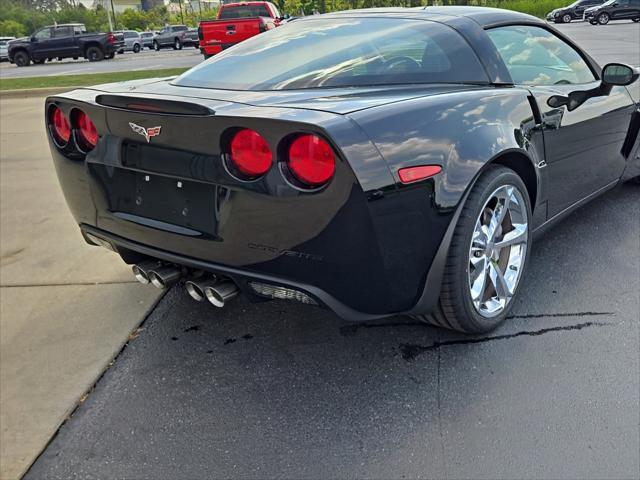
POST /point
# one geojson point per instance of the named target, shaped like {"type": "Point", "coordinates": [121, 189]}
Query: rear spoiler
{"type": "Point", "coordinates": [153, 105]}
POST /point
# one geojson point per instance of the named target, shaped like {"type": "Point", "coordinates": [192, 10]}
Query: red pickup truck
{"type": "Point", "coordinates": [236, 22]}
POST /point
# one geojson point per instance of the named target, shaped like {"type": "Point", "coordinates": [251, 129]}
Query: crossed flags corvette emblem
{"type": "Point", "coordinates": [147, 133]}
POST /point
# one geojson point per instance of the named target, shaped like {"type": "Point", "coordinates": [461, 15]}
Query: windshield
{"type": "Point", "coordinates": [609, 2]}
{"type": "Point", "coordinates": [339, 52]}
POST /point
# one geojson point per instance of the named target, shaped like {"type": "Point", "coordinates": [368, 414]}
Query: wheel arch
{"type": "Point", "coordinates": [514, 159]}
{"type": "Point", "coordinates": [17, 50]}
{"type": "Point", "coordinates": [522, 164]}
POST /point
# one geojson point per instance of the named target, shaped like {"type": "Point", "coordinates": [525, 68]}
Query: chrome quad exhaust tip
{"type": "Point", "coordinates": [164, 276]}
{"type": "Point", "coordinates": [217, 292]}
{"type": "Point", "coordinates": [141, 270]}
{"type": "Point", "coordinates": [196, 287]}
{"type": "Point", "coordinates": [220, 294]}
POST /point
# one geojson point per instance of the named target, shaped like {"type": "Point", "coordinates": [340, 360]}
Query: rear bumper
{"type": "Point", "coordinates": [240, 276]}
{"type": "Point", "coordinates": [360, 246]}
{"type": "Point", "coordinates": [210, 49]}
{"type": "Point", "coordinates": [114, 47]}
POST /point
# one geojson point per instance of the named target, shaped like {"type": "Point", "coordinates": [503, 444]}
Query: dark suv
{"type": "Point", "coordinates": [614, 10]}
{"type": "Point", "coordinates": [575, 11]}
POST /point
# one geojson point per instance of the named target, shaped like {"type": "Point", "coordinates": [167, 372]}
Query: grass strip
{"type": "Point", "coordinates": [83, 80]}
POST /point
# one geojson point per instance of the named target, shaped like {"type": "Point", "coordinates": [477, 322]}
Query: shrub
{"type": "Point", "coordinates": [11, 28]}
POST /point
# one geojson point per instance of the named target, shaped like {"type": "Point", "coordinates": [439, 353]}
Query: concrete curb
{"type": "Point", "coordinates": [35, 92]}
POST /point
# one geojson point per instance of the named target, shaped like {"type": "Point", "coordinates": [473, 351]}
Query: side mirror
{"type": "Point", "coordinates": [34, 39]}
{"type": "Point", "coordinates": [619, 74]}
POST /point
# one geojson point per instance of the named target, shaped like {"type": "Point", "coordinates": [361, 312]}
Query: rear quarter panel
{"type": "Point", "coordinates": [462, 132]}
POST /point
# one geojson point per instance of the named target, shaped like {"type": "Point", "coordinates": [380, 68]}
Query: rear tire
{"type": "Point", "coordinates": [156, 46]}
{"type": "Point", "coordinates": [177, 44]}
{"type": "Point", "coordinates": [94, 54]}
{"type": "Point", "coordinates": [470, 301]}
{"type": "Point", "coordinates": [21, 59]}
{"type": "Point", "coordinates": [636, 19]}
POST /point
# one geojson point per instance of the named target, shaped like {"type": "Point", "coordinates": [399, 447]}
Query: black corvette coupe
{"type": "Point", "coordinates": [374, 162]}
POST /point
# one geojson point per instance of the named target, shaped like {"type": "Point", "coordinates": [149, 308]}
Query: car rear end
{"type": "Point", "coordinates": [147, 39]}
{"type": "Point", "coordinates": [180, 181]}
{"type": "Point", "coordinates": [114, 42]}
{"type": "Point", "coordinates": [191, 38]}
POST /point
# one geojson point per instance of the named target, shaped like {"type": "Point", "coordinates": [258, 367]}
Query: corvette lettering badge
{"type": "Point", "coordinates": [147, 133]}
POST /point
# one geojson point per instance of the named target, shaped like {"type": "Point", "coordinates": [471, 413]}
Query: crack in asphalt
{"type": "Point", "coordinates": [350, 330]}
{"type": "Point", "coordinates": [410, 351]}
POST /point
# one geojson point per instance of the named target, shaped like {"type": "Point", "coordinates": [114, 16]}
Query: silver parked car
{"type": "Point", "coordinates": [147, 39]}
{"type": "Point", "coordinates": [4, 48]}
{"type": "Point", "coordinates": [132, 41]}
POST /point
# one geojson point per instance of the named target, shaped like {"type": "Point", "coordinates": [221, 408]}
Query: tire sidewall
{"type": "Point", "coordinates": [566, 18]}
{"type": "Point", "coordinates": [136, 48]}
{"type": "Point", "coordinates": [603, 19]}
{"type": "Point", "coordinates": [156, 46]}
{"type": "Point", "coordinates": [466, 225]}
{"type": "Point", "coordinates": [94, 54]}
{"type": "Point", "coordinates": [24, 56]}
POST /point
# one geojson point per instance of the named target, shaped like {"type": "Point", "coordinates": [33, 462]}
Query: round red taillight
{"type": "Point", "coordinates": [60, 128]}
{"type": "Point", "coordinates": [311, 160]}
{"type": "Point", "coordinates": [88, 135]}
{"type": "Point", "coordinates": [250, 153]}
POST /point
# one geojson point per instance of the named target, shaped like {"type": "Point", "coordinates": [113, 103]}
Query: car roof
{"type": "Point", "coordinates": [483, 16]}
{"type": "Point", "coordinates": [66, 25]}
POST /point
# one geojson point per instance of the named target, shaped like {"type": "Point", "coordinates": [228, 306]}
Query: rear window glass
{"type": "Point", "coordinates": [244, 11]}
{"type": "Point", "coordinates": [338, 52]}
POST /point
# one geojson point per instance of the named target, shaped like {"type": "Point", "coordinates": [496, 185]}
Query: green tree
{"type": "Point", "coordinates": [11, 28]}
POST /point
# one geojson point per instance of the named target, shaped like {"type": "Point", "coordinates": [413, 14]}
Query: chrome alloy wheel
{"type": "Point", "coordinates": [498, 249]}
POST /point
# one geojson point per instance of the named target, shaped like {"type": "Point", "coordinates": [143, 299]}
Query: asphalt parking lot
{"type": "Point", "coordinates": [279, 389]}
{"type": "Point", "coordinates": [128, 61]}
